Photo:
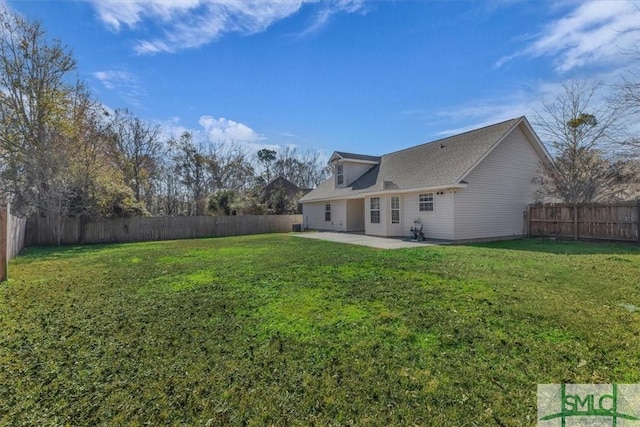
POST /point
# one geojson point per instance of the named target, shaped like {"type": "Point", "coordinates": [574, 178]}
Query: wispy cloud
{"type": "Point", "coordinates": [593, 33]}
{"type": "Point", "coordinates": [474, 114]}
{"type": "Point", "coordinates": [125, 84]}
{"type": "Point", "coordinates": [329, 9]}
{"type": "Point", "coordinates": [486, 113]}
{"type": "Point", "coordinates": [192, 23]}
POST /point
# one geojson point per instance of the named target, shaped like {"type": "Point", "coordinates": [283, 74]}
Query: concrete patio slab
{"type": "Point", "coordinates": [371, 241]}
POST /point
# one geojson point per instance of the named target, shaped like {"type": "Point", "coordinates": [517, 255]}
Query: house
{"type": "Point", "coordinates": [281, 196]}
{"type": "Point", "coordinates": [471, 186]}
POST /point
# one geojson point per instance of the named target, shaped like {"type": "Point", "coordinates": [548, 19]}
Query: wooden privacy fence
{"type": "Point", "coordinates": [617, 221]}
{"type": "Point", "coordinates": [12, 238]}
{"type": "Point", "coordinates": [141, 229]}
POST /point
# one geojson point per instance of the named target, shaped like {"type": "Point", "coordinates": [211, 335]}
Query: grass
{"type": "Point", "coordinates": [277, 330]}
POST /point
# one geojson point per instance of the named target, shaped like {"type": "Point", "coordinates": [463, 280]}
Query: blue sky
{"type": "Point", "coordinates": [352, 75]}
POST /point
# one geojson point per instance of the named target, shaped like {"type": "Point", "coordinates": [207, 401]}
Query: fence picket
{"type": "Point", "coordinates": [38, 231]}
{"type": "Point", "coordinates": [615, 221]}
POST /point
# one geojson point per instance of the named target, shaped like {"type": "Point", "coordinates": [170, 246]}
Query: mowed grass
{"type": "Point", "coordinates": [279, 330]}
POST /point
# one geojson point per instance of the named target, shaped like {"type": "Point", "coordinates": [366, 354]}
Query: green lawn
{"type": "Point", "coordinates": [278, 330]}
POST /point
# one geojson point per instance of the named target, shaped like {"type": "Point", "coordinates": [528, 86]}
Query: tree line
{"type": "Point", "coordinates": [63, 153]}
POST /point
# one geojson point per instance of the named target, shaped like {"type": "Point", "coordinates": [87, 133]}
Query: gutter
{"type": "Point", "coordinates": [385, 192]}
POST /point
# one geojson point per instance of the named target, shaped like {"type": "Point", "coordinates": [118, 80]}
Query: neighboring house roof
{"type": "Point", "coordinates": [442, 163]}
{"type": "Point", "coordinates": [282, 183]}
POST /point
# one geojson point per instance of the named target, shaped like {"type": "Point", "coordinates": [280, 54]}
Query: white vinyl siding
{"type": "Point", "coordinates": [353, 171]}
{"type": "Point", "coordinates": [314, 215]}
{"type": "Point", "coordinates": [498, 192]}
{"type": "Point", "coordinates": [345, 172]}
{"type": "Point", "coordinates": [437, 224]}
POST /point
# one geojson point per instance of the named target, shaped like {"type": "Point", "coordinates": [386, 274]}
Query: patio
{"type": "Point", "coordinates": [371, 241]}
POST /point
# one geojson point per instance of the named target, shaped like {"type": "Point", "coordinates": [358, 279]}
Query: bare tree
{"type": "Point", "coordinates": [171, 194]}
{"type": "Point", "coordinates": [229, 167]}
{"type": "Point", "coordinates": [629, 98]}
{"type": "Point", "coordinates": [191, 166]}
{"type": "Point", "coordinates": [315, 169]}
{"type": "Point", "coordinates": [587, 176]}
{"type": "Point", "coordinates": [287, 165]}
{"type": "Point", "coordinates": [581, 131]}
{"type": "Point", "coordinates": [306, 169]}
{"type": "Point", "coordinates": [136, 148]}
{"type": "Point", "coordinates": [575, 118]}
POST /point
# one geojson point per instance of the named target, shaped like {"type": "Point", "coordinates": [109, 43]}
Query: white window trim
{"type": "Point", "coordinates": [426, 202]}
{"type": "Point", "coordinates": [327, 210]}
{"type": "Point", "coordinates": [339, 174]}
{"type": "Point", "coordinates": [391, 209]}
{"type": "Point", "coordinates": [372, 209]}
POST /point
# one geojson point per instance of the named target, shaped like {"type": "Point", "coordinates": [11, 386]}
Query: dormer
{"type": "Point", "coordinates": [347, 167]}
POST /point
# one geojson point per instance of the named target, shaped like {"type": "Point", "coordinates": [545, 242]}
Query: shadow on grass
{"type": "Point", "coordinates": [566, 247]}
{"type": "Point", "coordinates": [61, 252]}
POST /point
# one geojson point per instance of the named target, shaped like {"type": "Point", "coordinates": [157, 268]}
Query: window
{"type": "Point", "coordinates": [395, 209]}
{"type": "Point", "coordinates": [339, 174]}
{"type": "Point", "coordinates": [426, 202]}
{"type": "Point", "coordinates": [327, 212]}
{"type": "Point", "coordinates": [375, 210]}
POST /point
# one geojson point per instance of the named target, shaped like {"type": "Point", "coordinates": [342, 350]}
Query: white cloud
{"type": "Point", "coordinates": [523, 101]}
{"type": "Point", "coordinates": [330, 9]}
{"type": "Point", "coordinates": [225, 130]}
{"type": "Point", "coordinates": [126, 84]}
{"type": "Point", "coordinates": [593, 33]}
{"type": "Point", "coordinates": [172, 129]}
{"type": "Point", "coordinates": [220, 132]}
{"type": "Point", "coordinates": [192, 23]}
{"type": "Point", "coordinates": [113, 79]}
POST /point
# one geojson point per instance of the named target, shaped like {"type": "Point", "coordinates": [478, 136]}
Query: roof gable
{"type": "Point", "coordinates": [341, 155]}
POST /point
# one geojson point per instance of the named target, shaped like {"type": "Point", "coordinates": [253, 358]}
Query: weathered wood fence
{"type": "Point", "coordinates": [618, 221]}
{"type": "Point", "coordinates": [142, 229]}
{"type": "Point", "coordinates": [12, 238]}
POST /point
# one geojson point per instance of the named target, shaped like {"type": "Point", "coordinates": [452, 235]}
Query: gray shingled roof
{"type": "Point", "coordinates": [434, 164]}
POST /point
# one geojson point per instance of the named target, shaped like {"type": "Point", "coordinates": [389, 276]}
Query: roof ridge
{"type": "Point", "coordinates": [355, 154]}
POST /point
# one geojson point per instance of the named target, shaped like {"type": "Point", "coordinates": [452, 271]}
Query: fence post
{"type": "Point", "coordinates": [575, 222]}
{"type": "Point", "coordinates": [4, 231]}
{"type": "Point", "coordinates": [638, 219]}
{"type": "Point", "coordinates": [528, 220]}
